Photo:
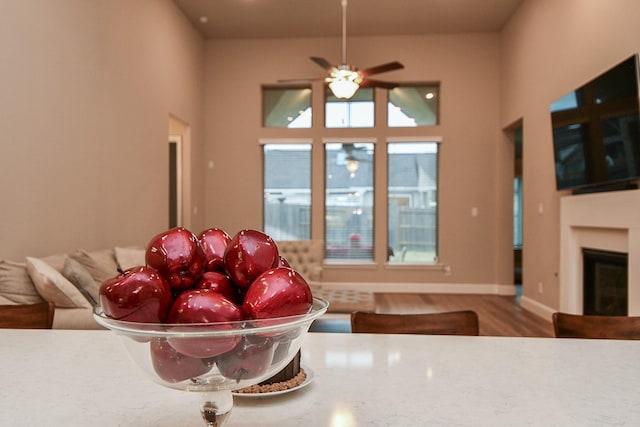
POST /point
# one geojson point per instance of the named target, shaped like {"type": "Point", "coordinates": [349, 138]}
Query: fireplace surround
{"type": "Point", "coordinates": [601, 221]}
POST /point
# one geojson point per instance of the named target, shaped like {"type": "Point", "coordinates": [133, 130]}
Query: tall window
{"type": "Point", "coordinates": [287, 191]}
{"type": "Point", "coordinates": [412, 202]}
{"type": "Point", "coordinates": [349, 201]}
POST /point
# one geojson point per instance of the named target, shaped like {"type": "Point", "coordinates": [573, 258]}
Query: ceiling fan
{"type": "Point", "coordinates": [344, 80]}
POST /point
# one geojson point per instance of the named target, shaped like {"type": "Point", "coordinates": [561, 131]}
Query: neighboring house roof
{"type": "Point", "coordinates": [414, 170]}
{"type": "Point", "coordinates": [294, 165]}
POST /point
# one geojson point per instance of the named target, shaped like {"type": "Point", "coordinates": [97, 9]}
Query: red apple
{"type": "Point", "coordinates": [249, 254]}
{"type": "Point", "coordinates": [203, 306]}
{"type": "Point", "coordinates": [278, 292]}
{"type": "Point", "coordinates": [173, 366]}
{"type": "Point", "coordinates": [282, 262]}
{"type": "Point", "coordinates": [177, 255]}
{"type": "Point", "coordinates": [139, 294]}
{"type": "Point", "coordinates": [214, 242]}
{"type": "Point", "coordinates": [249, 359]}
{"type": "Point", "coordinates": [219, 282]}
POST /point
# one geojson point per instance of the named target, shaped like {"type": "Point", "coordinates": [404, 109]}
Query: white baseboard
{"type": "Point", "coordinates": [537, 308]}
{"type": "Point", "coordinates": [431, 288]}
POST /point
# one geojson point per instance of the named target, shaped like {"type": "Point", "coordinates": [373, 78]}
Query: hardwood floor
{"type": "Point", "coordinates": [499, 315]}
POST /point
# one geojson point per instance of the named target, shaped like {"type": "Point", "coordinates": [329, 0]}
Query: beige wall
{"type": "Point", "coordinates": [86, 90]}
{"type": "Point", "coordinates": [549, 48]}
{"type": "Point", "coordinates": [472, 150]}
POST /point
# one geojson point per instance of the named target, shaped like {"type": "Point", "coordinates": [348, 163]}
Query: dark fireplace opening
{"type": "Point", "coordinates": [605, 283]}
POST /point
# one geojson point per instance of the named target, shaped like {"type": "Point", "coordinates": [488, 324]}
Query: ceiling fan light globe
{"type": "Point", "coordinates": [343, 89]}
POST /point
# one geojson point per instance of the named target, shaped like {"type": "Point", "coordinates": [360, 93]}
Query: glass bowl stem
{"type": "Point", "coordinates": [216, 407]}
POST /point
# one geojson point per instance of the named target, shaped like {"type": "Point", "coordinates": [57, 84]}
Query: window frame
{"type": "Point", "coordinates": [380, 135]}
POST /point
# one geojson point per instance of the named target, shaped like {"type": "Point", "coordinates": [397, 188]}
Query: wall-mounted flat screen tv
{"type": "Point", "coordinates": [596, 132]}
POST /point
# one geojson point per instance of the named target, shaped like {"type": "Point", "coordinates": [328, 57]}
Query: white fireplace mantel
{"type": "Point", "coordinates": [608, 221]}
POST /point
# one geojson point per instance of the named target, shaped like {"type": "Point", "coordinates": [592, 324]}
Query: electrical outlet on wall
{"type": "Point", "coordinates": [540, 287]}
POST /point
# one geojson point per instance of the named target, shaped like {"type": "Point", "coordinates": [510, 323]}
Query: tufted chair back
{"type": "Point", "coordinates": [304, 256]}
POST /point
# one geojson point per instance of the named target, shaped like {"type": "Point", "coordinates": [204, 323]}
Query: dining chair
{"type": "Point", "coordinates": [463, 322]}
{"type": "Point", "coordinates": [567, 325]}
{"type": "Point", "coordinates": [27, 316]}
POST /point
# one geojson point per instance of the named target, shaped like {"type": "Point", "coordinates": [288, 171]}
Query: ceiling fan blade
{"type": "Point", "coordinates": [323, 63]}
{"type": "Point", "coordinates": [389, 66]}
{"type": "Point", "coordinates": [378, 83]}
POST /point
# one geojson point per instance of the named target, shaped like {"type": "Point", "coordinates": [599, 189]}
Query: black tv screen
{"type": "Point", "coordinates": [596, 132]}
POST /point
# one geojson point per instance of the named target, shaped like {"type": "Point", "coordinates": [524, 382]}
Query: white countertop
{"type": "Point", "coordinates": [84, 378]}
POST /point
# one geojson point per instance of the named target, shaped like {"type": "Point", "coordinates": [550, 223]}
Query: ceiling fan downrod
{"type": "Point", "coordinates": [344, 32]}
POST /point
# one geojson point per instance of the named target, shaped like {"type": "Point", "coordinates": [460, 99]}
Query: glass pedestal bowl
{"type": "Point", "coordinates": [213, 358]}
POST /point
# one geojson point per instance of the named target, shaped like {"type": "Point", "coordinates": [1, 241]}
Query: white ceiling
{"type": "Point", "coordinates": [322, 18]}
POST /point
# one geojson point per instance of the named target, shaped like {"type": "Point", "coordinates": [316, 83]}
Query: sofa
{"type": "Point", "coordinates": [71, 281]}
{"type": "Point", "coordinates": [304, 256]}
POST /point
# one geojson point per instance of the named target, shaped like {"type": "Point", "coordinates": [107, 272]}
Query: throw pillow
{"type": "Point", "coordinates": [101, 264]}
{"type": "Point", "coordinates": [81, 278]}
{"type": "Point", "coordinates": [53, 286]}
{"type": "Point", "coordinates": [16, 286]}
{"type": "Point", "coordinates": [130, 257]}
{"type": "Point", "coordinates": [56, 261]}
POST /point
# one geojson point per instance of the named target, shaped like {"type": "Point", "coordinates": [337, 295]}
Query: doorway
{"type": "Point", "coordinates": [518, 185]}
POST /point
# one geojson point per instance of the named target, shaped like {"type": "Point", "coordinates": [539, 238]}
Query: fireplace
{"type": "Point", "coordinates": [607, 222]}
{"type": "Point", "coordinates": [605, 282]}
